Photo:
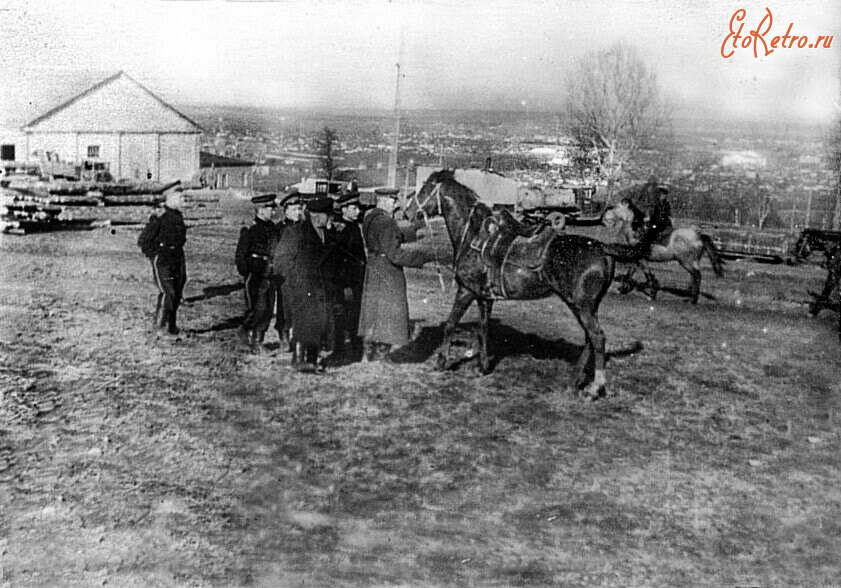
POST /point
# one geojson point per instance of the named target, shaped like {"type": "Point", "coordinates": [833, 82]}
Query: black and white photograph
{"type": "Point", "coordinates": [420, 293]}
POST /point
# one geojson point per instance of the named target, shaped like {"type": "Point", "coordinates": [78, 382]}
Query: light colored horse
{"type": "Point", "coordinates": [686, 245]}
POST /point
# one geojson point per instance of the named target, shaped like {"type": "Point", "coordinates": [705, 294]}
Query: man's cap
{"type": "Point", "coordinates": [348, 199]}
{"type": "Point", "coordinates": [265, 199]}
{"type": "Point", "coordinates": [320, 204]}
{"type": "Point", "coordinates": [663, 189]}
{"type": "Point", "coordinates": [290, 197]}
{"type": "Point", "coordinates": [387, 192]}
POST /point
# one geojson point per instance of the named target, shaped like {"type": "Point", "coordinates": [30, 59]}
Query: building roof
{"type": "Point", "coordinates": [207, 159]}
{"type": "Point", "coordinates": [138, 107]}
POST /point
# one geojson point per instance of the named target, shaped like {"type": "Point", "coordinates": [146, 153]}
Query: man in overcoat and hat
{"type": "Point", "coordinates": [350, 273]}
{"type": "Point", "coordinates": [162, 241]}
{"type": "Point", "coordinates": [292, 214]}
{"type": "Point", "coordinates": [384, 316]}
{"type": "Point", "coordinates": [254, 260]}
{"type": "Point", "coordinates": [306, 255]}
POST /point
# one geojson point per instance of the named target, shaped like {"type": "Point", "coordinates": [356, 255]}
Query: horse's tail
{"type": "Point", "coordinates": [625, 253]}
{"type": "Point", "coordinates": [712, 253]}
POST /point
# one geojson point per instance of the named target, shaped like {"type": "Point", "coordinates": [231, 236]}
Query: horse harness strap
{"type": "Point", "coordinates": [500, 249]}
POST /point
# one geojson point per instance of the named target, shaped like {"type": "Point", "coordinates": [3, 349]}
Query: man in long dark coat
{"type": "Point", "coordinates": [384, 316]}
{"type": "Point", "coordinates": [162, 241]}
{"type": "Point", "coordinates": [254, 260]}
{"type": "Point", "coordinates": [350, 262]}
{"type": "Point", "coordinates": [306, 259]}
{"type": "Point", "coordinates": [292, 214]}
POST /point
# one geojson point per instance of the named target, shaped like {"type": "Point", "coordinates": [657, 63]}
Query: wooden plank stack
{"type": "Point", "coordinates": [35, 209]}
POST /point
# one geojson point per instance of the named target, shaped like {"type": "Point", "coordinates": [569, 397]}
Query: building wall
{"type": "Point", "coordinates": [167, 156]}
{"type": "Point", "coordinates": [136, 133]}
{"type": "Point", "coordinates": [221, 178]}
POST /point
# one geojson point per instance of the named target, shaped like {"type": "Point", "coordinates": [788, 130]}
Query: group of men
{"type": "Point", "coordinates": [335, 286]}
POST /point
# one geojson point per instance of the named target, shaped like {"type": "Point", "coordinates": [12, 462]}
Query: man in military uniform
{"type": "Point", "coordinates": [254, 259]}
{"type": "Point", "coordinates": [292, 214]}
{"type": "Point", "coordinates": [384, 316]}
{"type": "Point", "coordinates": [162, 241]}
{"type": "Point", "coordinates": [306, 258]}
{"type": "Point", "coordinates": [660, 213]}
{"type": "Point", "coordinates": [350, 273]}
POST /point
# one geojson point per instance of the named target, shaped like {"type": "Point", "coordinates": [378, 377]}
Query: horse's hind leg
{"type": "Point", "coordinates": [590, 377]}
{"type": "Point", "coordinates": [460, 304]}
{"type": "Point", "coordinates": [485, 309]}
{"type": "Point", "coordinates": [695, 279]}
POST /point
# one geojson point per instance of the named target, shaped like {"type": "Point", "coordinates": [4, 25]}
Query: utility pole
{"type": "Point", "coordinates": [392, 160]}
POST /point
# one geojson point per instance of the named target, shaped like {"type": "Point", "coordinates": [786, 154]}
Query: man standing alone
{"type": "Point", "coordinates": [384, 316]}
{"type": "Point", "coordinates": [162, 241]}
{"type": "Point", "coordinates": [255, 262]}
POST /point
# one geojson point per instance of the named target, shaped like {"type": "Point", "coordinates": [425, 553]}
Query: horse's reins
{"type": "Point", "coordinates": [436, 192]}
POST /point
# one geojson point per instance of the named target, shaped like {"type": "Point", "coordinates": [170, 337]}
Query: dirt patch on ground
{"type": "Point", "coordinates": [128, 461]}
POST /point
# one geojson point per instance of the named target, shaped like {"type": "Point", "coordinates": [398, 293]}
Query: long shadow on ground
{"type": "Point", "coordinates": [503, 341]}
{"type": "Point", "coordinates": [214, 291]}
{"type": "Point", "coordinates": [639, 286]}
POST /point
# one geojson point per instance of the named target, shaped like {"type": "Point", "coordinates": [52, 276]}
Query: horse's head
{"type": "Point", "coordinates": [618, 214]}
{"type": "Point", "coordinates": [428, 199]}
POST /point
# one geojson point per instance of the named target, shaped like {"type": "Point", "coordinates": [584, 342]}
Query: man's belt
{"type": "Point", "coordinates": [263, 257]}
{"type": "Point", "coordinates": [165, 246]}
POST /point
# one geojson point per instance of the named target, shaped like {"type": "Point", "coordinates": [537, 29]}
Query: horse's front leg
{"type": "Point", "coordinates": [485, 309]}
{"type": "Point", "coordinates": [460, 304]}
{"type": "Point", "coordinates": [652, 286]}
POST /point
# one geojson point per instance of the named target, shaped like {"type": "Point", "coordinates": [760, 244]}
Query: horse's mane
{"type": "Point", "coordinates": [446, 176]}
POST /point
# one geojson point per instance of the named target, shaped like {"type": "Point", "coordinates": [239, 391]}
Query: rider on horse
{"type": "Point", "coordinates": [660, 215]}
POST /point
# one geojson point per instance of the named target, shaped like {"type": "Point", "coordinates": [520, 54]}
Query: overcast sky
{"type": "Point", "coordinates": [468, 54]}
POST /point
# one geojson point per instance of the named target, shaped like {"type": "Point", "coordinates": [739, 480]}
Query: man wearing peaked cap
{"type": "Point", "coordinates": [390, 192]}
{"type": "Point", "coordinates": [350, 274]}
{"type": "Point", "coordinates": [291, 197]}
{"type": "Point", "coordinates": [254, 259]}
{"type": "Point", "coordinates": [351, 198]}
{"type": "Point", "coordinates": [292, 212]}
{"type": "Point", "coordinates": [162, 241]}
{"type": "Point", "coordinates": [384, 316]}
{"type": "Point", "coordinates": [265, 200]}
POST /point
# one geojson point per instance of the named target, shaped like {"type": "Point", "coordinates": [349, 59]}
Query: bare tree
{"type": "Point", "coordinates": [758, 202]}
{"type": "Point", "coordinates": [614, 108]}
{"type": "Point", "coordinates": [326, 149]}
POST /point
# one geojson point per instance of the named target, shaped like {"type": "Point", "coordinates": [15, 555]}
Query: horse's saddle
{"type": "Point", "coordinates": [662, 238]}
{"type": "Point", "coordinates": [501, 242]}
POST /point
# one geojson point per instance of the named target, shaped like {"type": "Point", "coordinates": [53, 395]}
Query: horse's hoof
{"type": "Point", "coordinates": [593, 392]}
{"type": "Point", "coordinates": [441, 363]}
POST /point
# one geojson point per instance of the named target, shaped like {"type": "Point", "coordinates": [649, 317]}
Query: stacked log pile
{"type": "Point", "coordinates": [34, 210]}
{"type": "Point", "coordinates": [774, 245]}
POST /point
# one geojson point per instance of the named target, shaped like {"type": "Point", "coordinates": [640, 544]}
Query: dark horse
{"type": "Point", "coordinates": [832, 283]}
{"type": "Point", "coordinates": [491, 263]}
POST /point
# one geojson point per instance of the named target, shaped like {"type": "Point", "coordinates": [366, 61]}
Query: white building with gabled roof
{"type": "Point", "coordinates": [121, 123]}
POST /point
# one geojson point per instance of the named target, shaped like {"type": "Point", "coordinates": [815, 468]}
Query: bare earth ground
{"type": "Point", "coordinates": [130, 462]}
